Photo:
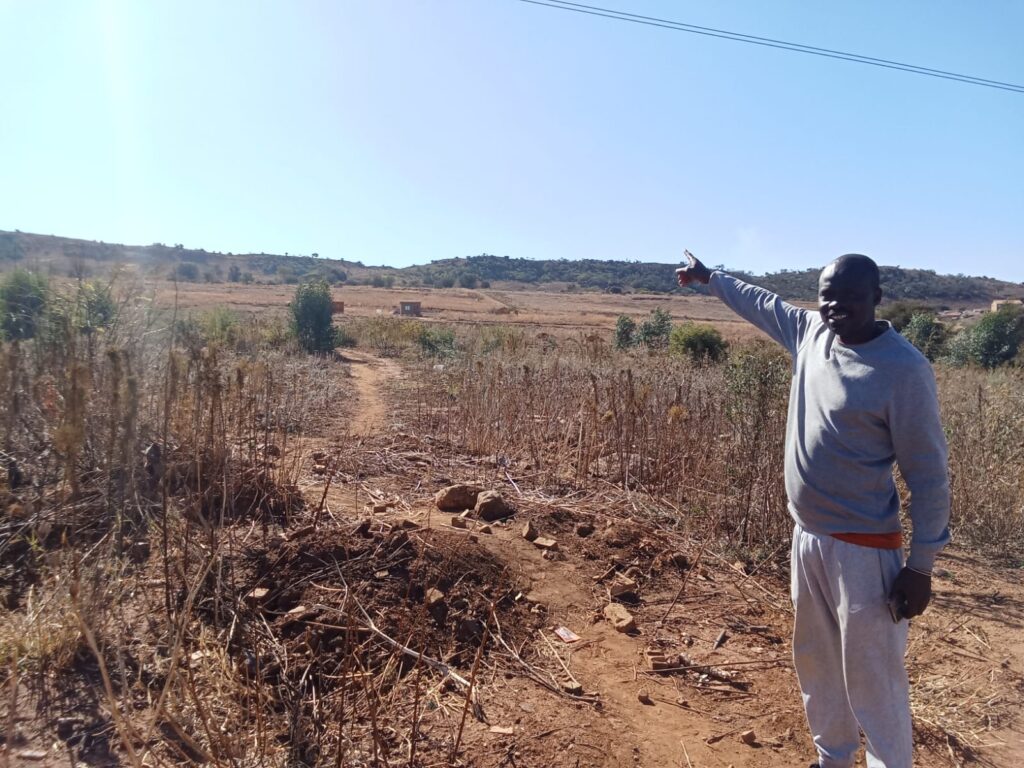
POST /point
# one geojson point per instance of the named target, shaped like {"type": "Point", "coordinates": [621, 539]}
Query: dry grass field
{"type": "Point", "coordinates": [218, 550]}
{"type": "Point", "coordinates": [560, 313]}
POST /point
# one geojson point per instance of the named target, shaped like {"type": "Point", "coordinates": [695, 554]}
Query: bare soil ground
{"type": "Point", "coordinates": [738, 704]}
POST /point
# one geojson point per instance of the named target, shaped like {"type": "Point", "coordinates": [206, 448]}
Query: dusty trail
{"type": "Point", "coordinates": [369, 374]}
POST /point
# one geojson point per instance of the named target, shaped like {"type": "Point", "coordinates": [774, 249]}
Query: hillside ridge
{"type": "Point", "coordinates": [76, 256]}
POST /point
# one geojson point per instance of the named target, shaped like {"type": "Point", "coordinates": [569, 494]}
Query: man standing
{"type": "Point", "coordinates": [862, 399]}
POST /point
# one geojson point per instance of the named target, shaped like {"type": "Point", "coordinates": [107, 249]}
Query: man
{"type": "Point", "coordinates": [862, 399]}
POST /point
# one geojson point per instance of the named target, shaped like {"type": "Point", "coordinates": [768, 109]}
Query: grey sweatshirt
{"type": "Point", "coordinates": [854, 411]}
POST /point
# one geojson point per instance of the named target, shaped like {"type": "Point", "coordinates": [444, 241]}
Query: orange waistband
{"type": "Point", "coordinates": [874, 540]}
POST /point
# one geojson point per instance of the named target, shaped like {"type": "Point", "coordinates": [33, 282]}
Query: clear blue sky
{"type": "Point", "coordinates": [400, 131]}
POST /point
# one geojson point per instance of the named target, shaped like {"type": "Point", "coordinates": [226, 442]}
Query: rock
{"type": "Point", "coordinates": [504, 730]}
{"type": "Point", "coordinates": [362, 528]}
{"type": "Point", "coordinates": [584, 529]}
{"type": "Point", "coordinates": [407, 524]}
{"type": "Point", "coordinates": [319, 469]}
{"type": "Point", "coordinates": [645, 698]}
{"type": "Point", "coordinates": [31, 754]}
{"type": "Point", "coordinates": [378, 509]}
{"type": "Point", "coordinates": [545, 543]}
{"type": "Point", "coordinates": [458, 522]}
{"type": "Point", "coordinates": [66, 727]}
{"type": "Point", "coordinates": [490, 506]}
{"type": "Point", "coordinates": [529, 532]}
{"type": "Point", "coordinates": [271, 450]}
{"type": "Point", "coordinates": [749, 738]}
{"type": "Point", "coordinates": [623, 587]}
{"type": "Point", "coordinates": [456, 498]}
{"type": "Point", "coordinates": [257, 595]}
{"type": "Point", "coordinates": [433, 597]}
{"type": "Point", "coordinates": [486, 529]}
{"type": "Point", "coordinates": [469, 631]}
{"type": "Point", "coordinates": [621, 619]}
{"type": "Point", "coordinates": [553, 555]}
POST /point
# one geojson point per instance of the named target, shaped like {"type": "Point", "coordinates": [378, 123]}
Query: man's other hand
{"type": "Point", "coordinates": [694, 272]}
{"type": "Point", "coordinates": [912, 591]}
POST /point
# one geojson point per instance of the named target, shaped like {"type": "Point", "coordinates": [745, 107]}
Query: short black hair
{"type": "Point", "coordinates": [861, 265]}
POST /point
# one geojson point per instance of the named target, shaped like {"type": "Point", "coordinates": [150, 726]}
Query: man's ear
{"type": "Point", "coordinates": [878, 296]}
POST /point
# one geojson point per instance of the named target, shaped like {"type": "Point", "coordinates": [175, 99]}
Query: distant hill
{"type": "Point", "coordinates": [64, 255]}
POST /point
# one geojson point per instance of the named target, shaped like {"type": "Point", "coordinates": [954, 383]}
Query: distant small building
{"type": "Point", "coordinates": [337, 307]}
{"type": "Point", "coordinates": [410, 309]}
{"type": "Point", "coordinates": [1000, 303]}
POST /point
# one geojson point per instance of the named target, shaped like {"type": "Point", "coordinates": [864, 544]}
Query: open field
{"type": "Point", "coordinates": [217, 550]}
{"type": "Point", "coordinates": [564, 313]}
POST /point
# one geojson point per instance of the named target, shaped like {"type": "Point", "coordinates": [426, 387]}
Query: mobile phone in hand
{"type": "Point", "coordinates": [896, 606]}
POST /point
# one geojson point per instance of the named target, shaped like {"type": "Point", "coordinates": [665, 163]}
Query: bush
{"type": "Point", "coordinates": [98, 306]}
{"type": "Point", "coordinates": [187, 271]}
{"type": "Point", "coordinates": [311, 316]}
{"type": "Point", "coordinates": [995, 340]}
{"type": "Point", "coordinates": [219, 324]}
{"type": "Point", "coordinates": [23, 297]}
{"type": "Point", "coordinates": [698, 341]}
{"type": "Point", "coordinates": [927, 334]}
{"type": "Point", "coordinates": [900, 313]}
{"type": "Point", "coordinates": [234, 273]}
{"type": "Point", "coordinates": [654, 331]}
{"type": "Point", "coordinates": [247, 278]}
{"type": "Point", "coordinates": [436, 342]}
{"type": "Point", "coordinates": [625, 332]}
{"type": "Point", "coordinates": [468, 280]}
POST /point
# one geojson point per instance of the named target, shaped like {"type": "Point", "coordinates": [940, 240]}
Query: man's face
{"type": "Point", "coordinates": [846, 301]}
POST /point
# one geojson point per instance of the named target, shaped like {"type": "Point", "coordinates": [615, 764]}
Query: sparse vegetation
{"type": "Point", "coordinates": [698, 341]}
{"type": "Point", "coordinates": [23, 297]}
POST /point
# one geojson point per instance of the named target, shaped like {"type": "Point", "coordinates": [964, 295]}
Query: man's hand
{"type": "Point", "coordinates": [694, 272]}
{"type": "Point", "coordinates": [911, 591]}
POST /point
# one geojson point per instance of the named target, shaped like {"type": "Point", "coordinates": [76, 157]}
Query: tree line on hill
{"type": "Point", "coordinates": [196, 265]}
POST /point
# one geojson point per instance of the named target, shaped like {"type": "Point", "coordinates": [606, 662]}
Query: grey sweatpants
{"type": "Point", "coordinates": [848, 652]}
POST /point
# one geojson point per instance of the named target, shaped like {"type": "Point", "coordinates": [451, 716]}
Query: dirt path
{"type": "Point", "coordinates": [675, 728]}
{"type": "Point", "coordinates": [369, 374]}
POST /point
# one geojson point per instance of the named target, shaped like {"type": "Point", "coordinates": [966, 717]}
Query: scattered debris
{"type": "Point", "coordinates": [485, 529]}
{"type": "Point", "coordinates": [619, 617]}
{"type": "Point", "coordinates": [645, 698]}
{"type": "Point", "coordinates": [257, 595]}
{"type": "Point", "coordinates": [545, 543]}
{"type": "Point", "coordinates": [623, 587]}
{"type": "Point", "coordinates": [504, 730]}
{"type": "Point", "coordinates": [720, 640]}
{"type": "Point", "coordinates": [566, 634]}
{"type": "Point", "coordinates": [433, 597]}
{"type": "Point", "coordinates": [657, 661]}
{"type": "Point", "coordinates": [749, 738]}
{"type": "Point", "coordinates": [459, 522]}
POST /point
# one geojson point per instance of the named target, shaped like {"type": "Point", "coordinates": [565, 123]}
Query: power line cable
{"type": "Point", "coordinates": [768, 42]}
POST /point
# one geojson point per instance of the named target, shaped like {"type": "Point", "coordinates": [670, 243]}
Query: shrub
{"type": "Point", "coordinates": [23, 297]}
{"type": "Point", "coordinates": [468, 280]}
{"type": "Point", "coordinates": [98, 306]}
{"type": "Point", "coordinates": [219, 324]}
{"type": "Point", "coordinates": [625, 332]}
{"type": "Point", "coordinates": [698, 341]}
{"type": "Point", "coordinates": [654, 331]}
{"type": "Point", "coordinates": [436, 342]}
{"type": "Point", "coordinates": [927, 334]}
{"type": "Point", "coordinates": [900, 313]}
{"type": "Point", "coordinates": [247, 278]}
{"type": "Point", "coordinates": [187, 271]}
{"type": "Point", "coordinates": [995, 340]}
{"type": "Point", "coordinates": [234, 273]}
{"type": "Point", "coordinates": [311, 316]}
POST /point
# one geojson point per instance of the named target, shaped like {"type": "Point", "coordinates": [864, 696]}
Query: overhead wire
{"type": "Point", "coordinates": [768, 42]}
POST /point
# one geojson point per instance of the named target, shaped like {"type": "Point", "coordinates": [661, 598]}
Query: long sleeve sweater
{"type": "Point", "coordinates": [854, 412]}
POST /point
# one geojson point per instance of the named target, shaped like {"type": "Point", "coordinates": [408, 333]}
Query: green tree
{"type": "Point", "coordinates": [468, 280]}
{"type": "Point", "coordinates": [625, 332]}
{"type": "Point", "coordinates": [311, 316]}
{"type": "Point", "coordinates": [188, 271]}
{"type": "Point", "coordinates": [698, 341]}
{"type": "Point", "coordinates": [654, 331]}
{"type": "Point", "coordinates": [995, 340]}
{"type": "Point", "coordinates": [23, 297]}
{"type": "Point", "coordinates": [926, 333]}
